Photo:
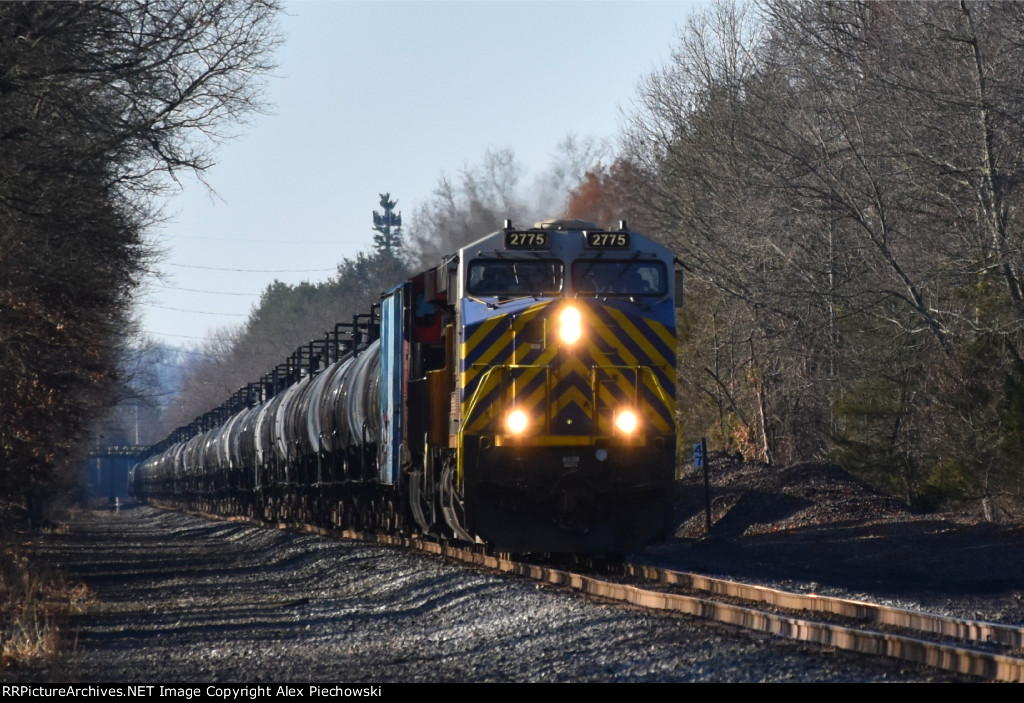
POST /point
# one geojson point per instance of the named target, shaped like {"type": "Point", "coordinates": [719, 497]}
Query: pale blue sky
{"type": "Point", "coordinates": [374, 97]}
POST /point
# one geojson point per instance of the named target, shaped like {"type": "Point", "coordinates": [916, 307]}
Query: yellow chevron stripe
{"type": "Point", "coordinates": [601, 359]}
{"type": "Point", "coordinates": [627, 388]}
{"type": "Point", "coordinates": [484, 361]}
{"type": "Point", "coordinates": [543, 361]}
{"type": "Point", "coordinates": [573, 364]}
{"type": "Point", "coordinates": [650, 382]}
{"type": "Point", "coordinates": [526, 375]}
{"type": "Point", "coordinates": [609, 336]}
{"type": "Point", "coordinates": [607, 400]}
{"type": "Point", "coordinates": [569, 396]}
{"type": "Point", "coordinates": [535, 400]}
{"type": "Point", "coordinates": [488, 357]}
{"type": "Point", "coordinates": [482, 331]}
{"type": "Point", "coordinates": [637, 336]}
{"type": "Point", "coordinates": [662, 331]}
{"type": "Point", "coordinates": [614, 375]}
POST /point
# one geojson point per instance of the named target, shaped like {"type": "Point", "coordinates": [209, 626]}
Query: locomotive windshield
{"type": "Point", "coordinates": [515, 277]}
{"type": "Point", "coordinates": [606, 277]}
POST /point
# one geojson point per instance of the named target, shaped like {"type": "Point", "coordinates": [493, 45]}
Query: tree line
{"type": "Point", "coordinates": [843, 181]}
{"type": "Point", "coordinates": [102, 106]}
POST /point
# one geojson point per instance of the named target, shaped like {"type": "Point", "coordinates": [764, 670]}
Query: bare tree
{"type": "Point", "coordinates": [843, 178]}
{"type": "Point", "coordinates": [99, 104]}
{"type": "Point", "coordinates": [485, 195]}
{"type": "Point", "coordinates": [462, 211]}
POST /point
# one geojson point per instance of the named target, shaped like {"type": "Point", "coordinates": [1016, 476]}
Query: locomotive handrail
{"type": "Point", "coordinates": [501, 368]}
{"type": "Point", "coordinates": [662, 396]}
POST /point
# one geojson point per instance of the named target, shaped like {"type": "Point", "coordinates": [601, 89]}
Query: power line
{"type": "Point", "coordinates": [254, 241]}
{"type": "Point", "coordinates": [210, 292]}
{"type": "Point", "coordinates": [181, 350]}
{"type": "Point", "coordinates": [187, 336]}
{"type": "Point", "coordinates": [199, 312]}
{"type": "Point", "coordinates": [215, 268]}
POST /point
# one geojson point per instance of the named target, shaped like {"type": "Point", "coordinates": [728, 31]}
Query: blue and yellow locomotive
{"type": "Point", "coordinates": [558, 389]}
{"type": "Point", "coordinates": [520, 394]}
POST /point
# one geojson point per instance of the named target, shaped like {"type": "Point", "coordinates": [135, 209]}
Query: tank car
{"type": "Point", "coordinates": [520, 394]}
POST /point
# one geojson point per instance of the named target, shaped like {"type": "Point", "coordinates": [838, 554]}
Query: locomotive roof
{"type": "Point", "coordinates": [495, 242]}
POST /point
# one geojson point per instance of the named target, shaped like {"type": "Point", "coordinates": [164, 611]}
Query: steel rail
{"type": "Point", "coordinates": [978, 631]}
{"type": "Point", "coordinates": [956, 658]}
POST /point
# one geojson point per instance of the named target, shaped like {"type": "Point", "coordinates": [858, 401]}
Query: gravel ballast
{"type": "Point", "coordinates": [179, 598]}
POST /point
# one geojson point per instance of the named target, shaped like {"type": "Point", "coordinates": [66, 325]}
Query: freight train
{"type": "Point", "coordinates": [520, 394]}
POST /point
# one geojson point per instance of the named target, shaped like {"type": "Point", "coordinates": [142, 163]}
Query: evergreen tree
{"type": "Point", "coordinates": [388, 227]}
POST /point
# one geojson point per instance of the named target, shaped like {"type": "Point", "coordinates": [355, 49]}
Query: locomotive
{"type": "Point", "coordinates": [520, 394]}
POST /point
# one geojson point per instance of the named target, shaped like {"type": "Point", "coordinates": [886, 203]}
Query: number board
{"type": "Point", "coordinates": [607, 240]}
{"type": "Point", "coordinates": [527, 240]}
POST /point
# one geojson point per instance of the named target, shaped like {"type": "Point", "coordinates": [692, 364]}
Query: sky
{"type": "Point", "coordinates": [388, 97]}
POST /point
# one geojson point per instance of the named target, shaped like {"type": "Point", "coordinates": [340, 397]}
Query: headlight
{"type": "Point", "coordinates": [626, 421]}
{"type": "Point", "coordinates": [570, 325]}
{"type": "Point", "coordinates": [517, 421]}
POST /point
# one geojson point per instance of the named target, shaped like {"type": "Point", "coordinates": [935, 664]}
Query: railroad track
{"type": "Point", "coordinates": [988, 651]}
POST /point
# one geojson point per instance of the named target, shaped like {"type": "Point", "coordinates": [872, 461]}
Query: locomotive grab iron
{"type": "Point", "coordinates": [521, 393]}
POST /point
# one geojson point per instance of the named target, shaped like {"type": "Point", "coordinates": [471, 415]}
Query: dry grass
{"type": "Point", "coordinates": [34, 605]}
